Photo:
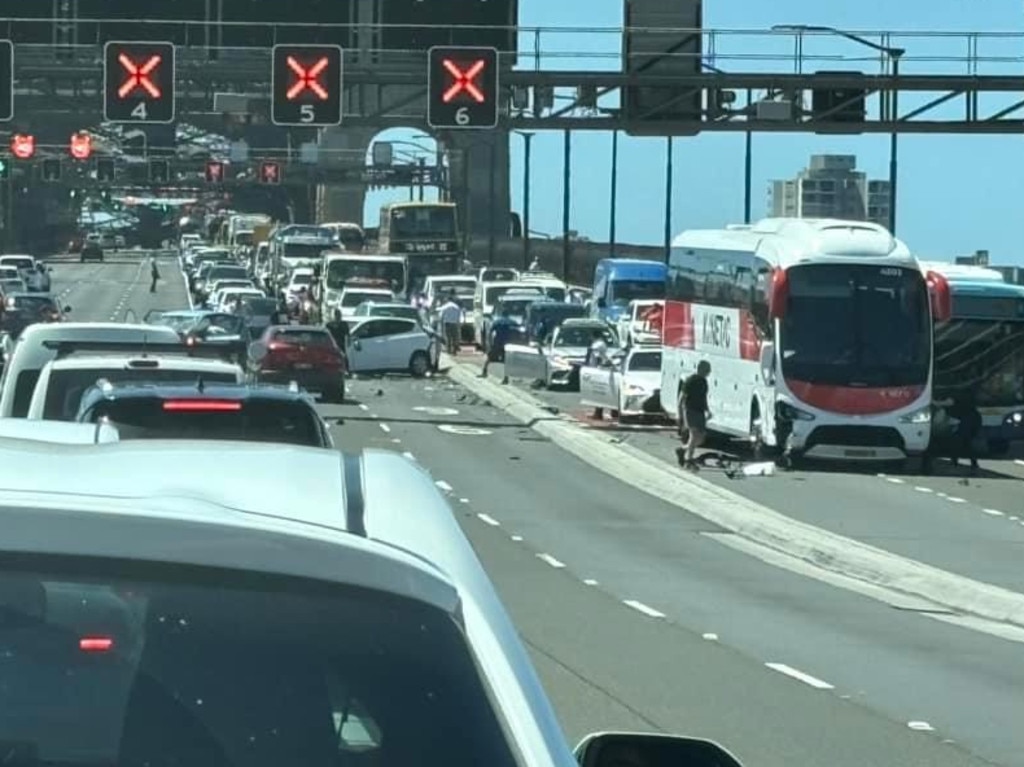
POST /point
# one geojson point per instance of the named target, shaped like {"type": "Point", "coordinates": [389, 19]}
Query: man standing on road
{"type": "Point", "coordinates": [154, 273]}
{"type": "Point", "coordinates": [451, 324]}
{"type": "Point", "coordinates": [500, 332]}
{"type": "Point", "coordinates": [338, 329]}
{"type": "Point", "coordinates": [694, 414]}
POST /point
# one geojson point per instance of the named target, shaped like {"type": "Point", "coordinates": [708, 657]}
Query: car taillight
{"type": "Point", "coordinates": [201, 406]}
{"type": "Point", "coordinates": [95, 644]}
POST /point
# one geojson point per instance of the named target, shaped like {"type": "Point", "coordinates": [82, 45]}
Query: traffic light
{"type": "Point", "coordinates": [80, 146]}
{"type": "Point", "coordinates": [6, 80]}
{"type": "Point", "coordinates": [214, 172]}
{"type": "Point", "coordinates": [5, 168]}
{"type": "Point", "coordinates": [105, 169]}
{"type": "Point", "coordinates": [462, 87]}
{"type": "Point", "coordinates": [23, 146]}
{"type": "Point", "coordinates": [51, 169]}
{"type": "Point", "coordinates": [159, 171]}
{"type": "Point", "coordinates": [138, 82]}
{"type": "Point", "coordinates": [306, 85]}
{"type": "Point", "coordinates": [270, 173]}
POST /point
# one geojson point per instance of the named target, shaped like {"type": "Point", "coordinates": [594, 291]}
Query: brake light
{"type": "Point", "coordinates": [941, 297]}
{"type": "Point", "coordinates": [779, 294]}
{"type": "Point", "coordinates": [95, 644]}
{"type": "Point", "coordinates": [201, 406]}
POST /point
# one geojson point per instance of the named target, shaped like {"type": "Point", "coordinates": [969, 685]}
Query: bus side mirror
{"type": "Point", "coordinates": [602, 304]}
{"type": "Point", "coordinates": [768, 363]}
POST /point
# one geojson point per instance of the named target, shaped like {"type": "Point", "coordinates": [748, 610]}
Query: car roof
{"type": "Point", "coordinates": [390, 305]}
{"type": "Point", "coordinates": [371, 290]}
{"type": "Point", "coordinates": [238, 392]}
{"type": "Point", "coordinates": [115, 361]}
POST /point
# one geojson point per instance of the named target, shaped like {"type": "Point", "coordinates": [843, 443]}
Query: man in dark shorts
{"type": "Point", "coordinates": [500, 332]}
{"type": "Point", "coordinates": [694, 414]}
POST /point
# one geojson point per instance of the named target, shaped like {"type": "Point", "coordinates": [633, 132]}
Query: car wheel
{"type": "Point", "coordinates": [335, 396]}
{"type": "Point", "coordinates": [419, 364]}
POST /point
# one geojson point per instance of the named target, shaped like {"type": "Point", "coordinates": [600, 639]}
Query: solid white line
{"type": "Point", "coordinates": [547, 558]}
{"type": "Point", "coordinates": [384, 428]}
{"type": "Point", "coordinates": [924, 490]}
{"type": "Point", "coordinates": [488, 520]}
{"type": "Point", "coordinates": [409, 455]}
{"type": "Point", "coordinates": [993, 512]}
{"type": "Point", "coordinates": [444, 485]}
{"type": "Point", "coordinates": [789, 671]}
{"type": "Point", "coordinates": [364, 407]}
{"type": "Point", "coordinates": [640, 607]}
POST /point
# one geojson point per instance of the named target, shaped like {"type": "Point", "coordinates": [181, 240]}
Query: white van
{"type": "Point", "coordinates": [59, 432]}
{"type": "Point", "coordinates": [484, 299]}
{"type": "Point", "coordinates": [62, 382]}
{"type": "Point", "coordinates": [30, 354]}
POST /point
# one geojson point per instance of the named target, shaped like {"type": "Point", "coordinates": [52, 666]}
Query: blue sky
{"type": "Point", "coordinates": [957, 193]}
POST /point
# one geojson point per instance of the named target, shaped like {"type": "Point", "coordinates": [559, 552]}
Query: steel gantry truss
{"type": "Point", "coordinates": [730, 100]}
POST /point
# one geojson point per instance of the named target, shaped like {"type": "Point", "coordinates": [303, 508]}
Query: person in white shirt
{"type": "Point", "coordinates": [451, 324]}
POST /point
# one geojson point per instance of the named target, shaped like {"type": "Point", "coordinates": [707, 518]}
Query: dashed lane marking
{"type": "Point", "coordinates": [444, 485]}
{"type": "Point", "coordinates": [384, 428]}
{"type": "Point", "coordinates": [363, 407]}
{"type": "Point", "coordinates": [710, 637]}
{"type": "Point", "coordinates": [953, 499]}
{"type": "Point", "coordinates": [550, 560]}
{"type": "Point", "coordinates": [517, 538]}
{"type": "Point", "coordinates": [489, 520]}
{"type": "Point", "coordinates": [409, 455]}
{"type": "Point", "coordinates": [993, 512]}
{"type": "Point", "coordinates": [920, 726]}
{"type": "Point", "coordinates": [924, 490]}
{"type": "Point", "coordinates": [589, 582]}
{"type": "Point", "coordinates": [463, 431]}
{"type": "Point", "coordinates": [436, 410]}
{"type": "Point", "coordinates": [640, 607]}
{"type": "Point", "coordinates": [812, 681]}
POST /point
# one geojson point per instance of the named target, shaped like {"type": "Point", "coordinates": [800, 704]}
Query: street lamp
{"type": "Point", "coordinates": [893, 54]}
{"type": "Point", "coordinates": [527, 137]}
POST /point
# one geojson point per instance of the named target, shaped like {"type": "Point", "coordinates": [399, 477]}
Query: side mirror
{"type": "Point", "coordinates": [625, 749]}
{"type": "Point", "coordinates": [602, 304]}
{"type": "Point", "coordinates": [768, 362]}
{"type": "Point", "coordinates": [357, 345]}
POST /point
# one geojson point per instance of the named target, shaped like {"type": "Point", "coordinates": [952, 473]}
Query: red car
{"type": "Point", "coordinates": [306, 354]}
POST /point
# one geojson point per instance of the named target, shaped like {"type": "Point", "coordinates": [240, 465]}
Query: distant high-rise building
{"type": "Point", "coordinates": [831, 187]}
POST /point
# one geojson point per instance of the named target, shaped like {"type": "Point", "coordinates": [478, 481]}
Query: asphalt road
{"type": "Point", "coordinates": [973, 526]}
{"type": "Point", "coordinates": [641, 616]}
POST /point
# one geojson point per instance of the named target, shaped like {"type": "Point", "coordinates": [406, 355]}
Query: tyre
{"type": "Point", "coordinates": [419, 364]}
{"type": "Point", "coordinates": [335, 396]}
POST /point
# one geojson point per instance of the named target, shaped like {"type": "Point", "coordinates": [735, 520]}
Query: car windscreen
{"type": "Point", "coordinates": [645, 362]}
{"type": "Point", "coordinates": [66, 386]}
{"type": "Point", "coordinates": [18, 263]}
{"type": "Point", "coordinates": [385, 310]}
{"type": "Point", "coordinates": [258, 306]}
{"type": "Point", "coordinates": [31, 304]}
{"type": "Point", "coordinates": [302, 279]}
{"type": "Point", "coordinates": [108, 665]}
{"type": "Point", "coordinates": [254, 420]}
{"type": "Point", "coordinates": [303, 337]}
{"type": "Point", "coordinates": [583, 336]}
{"type": "Point", "coordinates": [219, 273]}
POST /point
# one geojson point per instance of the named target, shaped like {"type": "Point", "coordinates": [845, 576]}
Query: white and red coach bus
{"type": "Point", "coordinates": [818, 331]}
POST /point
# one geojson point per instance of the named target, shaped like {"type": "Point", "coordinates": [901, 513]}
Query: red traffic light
{"type": "Point", "coordinates": [81, 146]}
{"type": "Point", "coordinates": [464, 80]}
{"type": "Point", "coordinates": [23, 146]}
{"type": "Point", "coordinates": [270, 173]}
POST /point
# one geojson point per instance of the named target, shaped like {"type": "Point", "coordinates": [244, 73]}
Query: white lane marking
{"type": "Point", "coordinates": [489, 520]}
{"type": "Point", "coordinates": [463, 431]}
{"type": "Point", "coordinates": [589, 582]}
{"type": "Point", "coordinates": [807, 679]}
{"type": "Point", "coordinates": [396, 441]}
{"type": "Point", "coordinates": [640, 607]}
{"type": "Point", "coordinates": [1013, 519]}
{"type": "Point", "coordinates": [1018, 461]}
{"type": "Point", "coordinates": [444, 485]}
{"type": "Point", "coordinates": [436, 410]}
{"type": "Point", "coordinates": [463, 500]}
{"type": "Point", "coordinates": [517, 538]}
{"type": "Point", "coordinates": [993, 512]}
{"type": "Point", "coordinates": [548, 559]}
{"type": "Point", "coordinates": [384, 428]}
{"type": "Point", "coordinates": [894, 480]}
{"type": "Point", "coordinates": [409, 455]}
{"type": "Point", "coordinates": [363, 407]}
{"type": "Point", "coordinates": [710, 637]}
{"type": "Point", "coordinates": [953, 499]}
{"type": "Point", "coordinates": [921, 726]}
{"type": "Point", "coordinates": [924, 490]}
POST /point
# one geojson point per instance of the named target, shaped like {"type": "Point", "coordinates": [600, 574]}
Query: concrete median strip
{"type": "Point", "coordinates": [753, 521]}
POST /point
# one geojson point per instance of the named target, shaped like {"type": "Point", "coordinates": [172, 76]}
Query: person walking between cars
{"type": "Point", "coordinates": [694, 414]}
{"type": "Point", "coordinates": [500, 333]}
{"type": "Point", "coordinates": [451, 324]}
{"type": "Point", "coordinates": [154, 273]}
{"type": "Point", "coordinates": [338, 329]}
{"type": "Point", "coordinates": [965, 410]}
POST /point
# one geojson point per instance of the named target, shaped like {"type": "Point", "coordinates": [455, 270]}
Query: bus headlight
{"type": "Point", "coordinates": [924, 415]}
{"type": "Point", "coordinates": [1015, 420]}
{"type": "Point", "coordinates": [787, 412]}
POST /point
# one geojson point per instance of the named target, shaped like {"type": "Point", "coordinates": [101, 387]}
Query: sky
{"type": "Point", "coordinates": [957, 193]}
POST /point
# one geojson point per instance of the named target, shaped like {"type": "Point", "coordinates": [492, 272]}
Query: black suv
{"type": "Point", "coordinates": [218, 411]}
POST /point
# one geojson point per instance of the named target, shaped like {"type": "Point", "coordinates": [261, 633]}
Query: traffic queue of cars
{"type": "Point", "coordinates": [283, 608]}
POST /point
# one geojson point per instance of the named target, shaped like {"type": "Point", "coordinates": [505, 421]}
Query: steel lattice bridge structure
{"type": "Point", "coordinates": [794, 79]}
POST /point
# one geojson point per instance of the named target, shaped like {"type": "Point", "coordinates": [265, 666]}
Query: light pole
{"type": "Point", "coordinates": [527, 138]}
{"type": "Point", "coordinates": [894, 55]}
{"type": "Point", "coordinates": [566, 201]}
{"type": "Point", "coordinates": [668, 197]}
{"type": "Point", "coordinates": [614, 194]}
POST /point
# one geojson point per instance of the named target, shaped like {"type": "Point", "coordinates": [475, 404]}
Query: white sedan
{"type": "Point", "coordinates": [629, 385]}
{"type": "Point", "coordinates": [391, 344]}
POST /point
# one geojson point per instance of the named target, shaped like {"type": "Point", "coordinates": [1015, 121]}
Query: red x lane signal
{"type": "Point", "coordinates": [23, 146]}
{"type": "Point", "coordinates": [138, 76]}
{"type": "Point", "coordinates": [214, 172]}
{"type": "Point", "coordinates": [270, 173]}
{"type": "Point", "coordinates": [307, 78]}
{"type": "Point", "coordinates": [463, 87]}
{"type": "Point", "coordinates": [464, 80]}
{"type": "Point", "coordinates": [306, 85]}
{"type": "Point", "coordinates": [80, 146]}
{"type": "Point", "coordinates": [138, 82]}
